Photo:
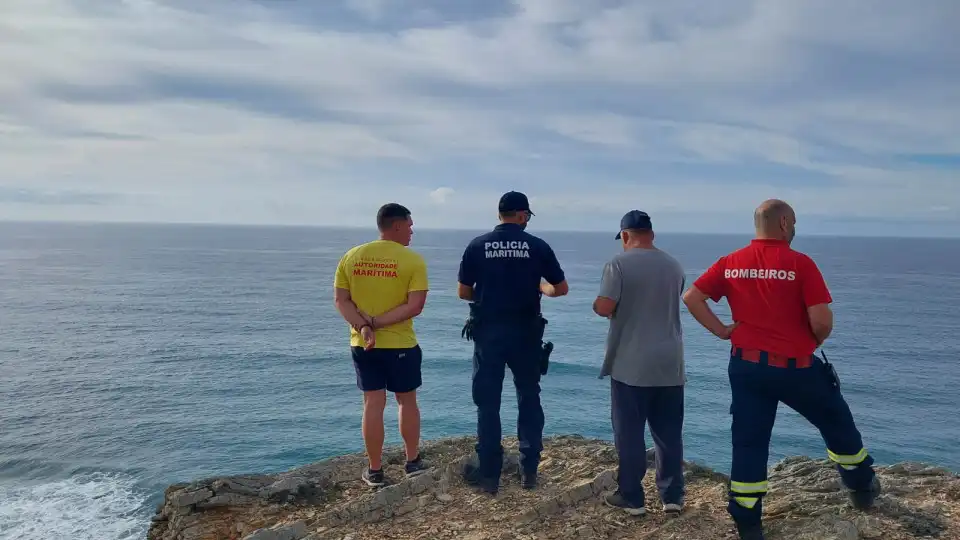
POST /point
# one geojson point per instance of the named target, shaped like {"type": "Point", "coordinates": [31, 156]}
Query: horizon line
{"type": "Point", "coordinates": [229, 224]}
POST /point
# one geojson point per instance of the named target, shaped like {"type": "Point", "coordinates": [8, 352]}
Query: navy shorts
{"type": "Point", "coordinates": [396, 370]}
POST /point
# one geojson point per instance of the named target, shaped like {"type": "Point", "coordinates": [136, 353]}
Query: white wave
{"type": "Point", "coordinates": [94, 506]}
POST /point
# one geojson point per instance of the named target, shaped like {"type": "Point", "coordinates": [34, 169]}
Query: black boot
{"type": "Point", "coordinates": [473, 477]}
{"type": "Point", "coordinates": [750, 532]}
{"type": "Point", "coordinates": [528, 479]}
{"type": "Point", "coordinates": [863, 500]}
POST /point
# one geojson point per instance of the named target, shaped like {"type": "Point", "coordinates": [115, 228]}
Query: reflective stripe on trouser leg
{"type": "Point", "coordinates": [848, 462]}
{"type": "Point", "coordinates": [747, 494]}
{"type": "Point", "coordinates": [856, 470]}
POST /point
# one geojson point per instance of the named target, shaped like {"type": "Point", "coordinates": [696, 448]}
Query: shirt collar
{"type": "Point", "coordinates": [769, 242]}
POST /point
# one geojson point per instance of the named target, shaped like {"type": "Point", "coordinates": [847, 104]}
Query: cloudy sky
{"type": "Point", "coordinates": [317, 112]}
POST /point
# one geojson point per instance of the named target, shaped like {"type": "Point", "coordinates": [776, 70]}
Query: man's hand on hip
{"type": "Point", "coordinates": [727, 331]}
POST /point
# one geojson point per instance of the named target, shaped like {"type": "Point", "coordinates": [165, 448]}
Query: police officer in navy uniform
{"type": "Point", "coordinates": [781, 307]}
{"type": "Point", "coordinates": [503, 274]}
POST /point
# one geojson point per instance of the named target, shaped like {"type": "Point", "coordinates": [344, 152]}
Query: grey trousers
{"type": "Point", "coordinates": [632, 407]}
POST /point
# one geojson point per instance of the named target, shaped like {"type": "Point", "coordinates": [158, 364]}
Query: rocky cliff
{"type": "Point", "coordinates": [327, 501]}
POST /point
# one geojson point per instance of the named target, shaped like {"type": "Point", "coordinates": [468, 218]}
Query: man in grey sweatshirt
{"type": "Point", "coordinates": [640, 293]}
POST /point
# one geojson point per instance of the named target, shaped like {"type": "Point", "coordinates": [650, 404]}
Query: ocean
{"type": "Point", "coordinates": [134, 356]}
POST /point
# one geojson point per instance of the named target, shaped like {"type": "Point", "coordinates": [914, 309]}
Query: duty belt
{"type": "Point", "coordinates": [758, 356]}
{"type": "Point", "coordinates": [546, 348]}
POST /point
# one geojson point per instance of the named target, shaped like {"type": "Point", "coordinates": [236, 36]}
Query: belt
{"type": "Point", "coordinates": [757, 356]}
{"type": "Point", "coordinates": [504, 316]}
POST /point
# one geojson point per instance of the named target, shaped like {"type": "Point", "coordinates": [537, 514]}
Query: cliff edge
{"type": "Point", "coordinates": [327, 501]}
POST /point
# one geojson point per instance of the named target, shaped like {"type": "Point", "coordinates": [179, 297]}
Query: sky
{"type": "Point", "coordinates": [318, 112]}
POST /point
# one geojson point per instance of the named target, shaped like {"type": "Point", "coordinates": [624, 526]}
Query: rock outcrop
{"type": "Point", "coordinates": [327, 501]}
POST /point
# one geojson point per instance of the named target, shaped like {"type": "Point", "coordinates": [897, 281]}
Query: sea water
{"type": "Point", "coordinates": [134, 356]}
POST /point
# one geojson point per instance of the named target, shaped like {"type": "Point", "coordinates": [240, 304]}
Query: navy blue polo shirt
{"type": "Point", "coordinates": [504, 267]}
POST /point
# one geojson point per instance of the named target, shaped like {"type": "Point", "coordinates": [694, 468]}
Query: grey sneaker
{"type": "Point", "coordinates": [373, 478]}
{"type": "Point", "coordinates": [415, 467]}
{"type": "Point", "coordinates": [616, 500]}
{"type": "Point", "coordinates": [673, 508]}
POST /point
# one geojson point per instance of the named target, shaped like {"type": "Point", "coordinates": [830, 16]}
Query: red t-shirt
{"type": "Point", "coordinates": [769, 287]}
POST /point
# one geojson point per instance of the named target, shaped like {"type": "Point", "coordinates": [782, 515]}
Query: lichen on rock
{"type": "Point", "coordinates": [327, 501]}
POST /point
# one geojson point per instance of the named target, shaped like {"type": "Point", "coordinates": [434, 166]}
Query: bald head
{"type": "Point", "coordinates": [775, 219]}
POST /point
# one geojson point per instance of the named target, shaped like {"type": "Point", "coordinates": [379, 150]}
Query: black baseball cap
{"type": "Point", "coordinates": [514, 201]}
{"type": "Point", "coordinates": [635, 219]}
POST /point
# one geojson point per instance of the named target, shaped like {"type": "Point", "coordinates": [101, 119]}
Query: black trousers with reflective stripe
{"type": "Point", "coordinates": [757, 390]}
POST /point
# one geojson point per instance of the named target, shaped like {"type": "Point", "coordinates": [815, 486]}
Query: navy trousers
{"type": "Point", "coordinates": [757, 390]}
{"type": "Point", "coordinates": [662, 408]}
{"type": "Point", "coordinates": [498, 345]}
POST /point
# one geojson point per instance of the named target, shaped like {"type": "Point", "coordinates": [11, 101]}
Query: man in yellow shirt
{"type": "Point", "coordinates": [380, 286]}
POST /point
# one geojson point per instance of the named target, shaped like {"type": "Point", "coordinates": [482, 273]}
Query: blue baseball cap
{"type": "Point", "coordinates": [635, 219]}
{"type": "Point", "coordinates": [514, 201]}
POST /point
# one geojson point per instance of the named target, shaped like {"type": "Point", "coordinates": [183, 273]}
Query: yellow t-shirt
{"type": "Point", "coordinates": [379, 275]}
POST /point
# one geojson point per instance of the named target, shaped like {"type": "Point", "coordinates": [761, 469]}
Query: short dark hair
{"type": "Point", "coordinates": [391, 213]}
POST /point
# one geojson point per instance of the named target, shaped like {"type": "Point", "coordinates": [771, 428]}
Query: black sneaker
{"type": "Point", "coordinates": [750, 532]}
{"type": "Point", "coordinates": [863, 500]}
{"type": "Point", "coordinates": [472, 476]}
{"type": "Point", "coordinates": [415, 467]}
{"type": "Point", "coordinates": [617, 500]}
{"type": "Point", "coordinates": [373, 478]}
{"type": "Point", "coordinates": [528, 479]}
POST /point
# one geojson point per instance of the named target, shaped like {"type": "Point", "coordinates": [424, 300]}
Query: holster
{"type": "Point", "coordinates": [545, 348]}
{"type": "Point", "coordinates": [830, 371]}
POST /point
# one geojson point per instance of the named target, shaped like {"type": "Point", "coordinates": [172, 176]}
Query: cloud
{"type": "Point", "coordinates": [371, 9]}
{"type": "Point", "coordinates": [262, 111]}
{"type": "Point", "coordinates": [441, 195]}
{"type": "Point", "coordinates": [29, 196]}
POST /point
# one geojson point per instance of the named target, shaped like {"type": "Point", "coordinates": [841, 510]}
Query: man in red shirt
{"type": "Point", "coordinates": [781, 308]}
